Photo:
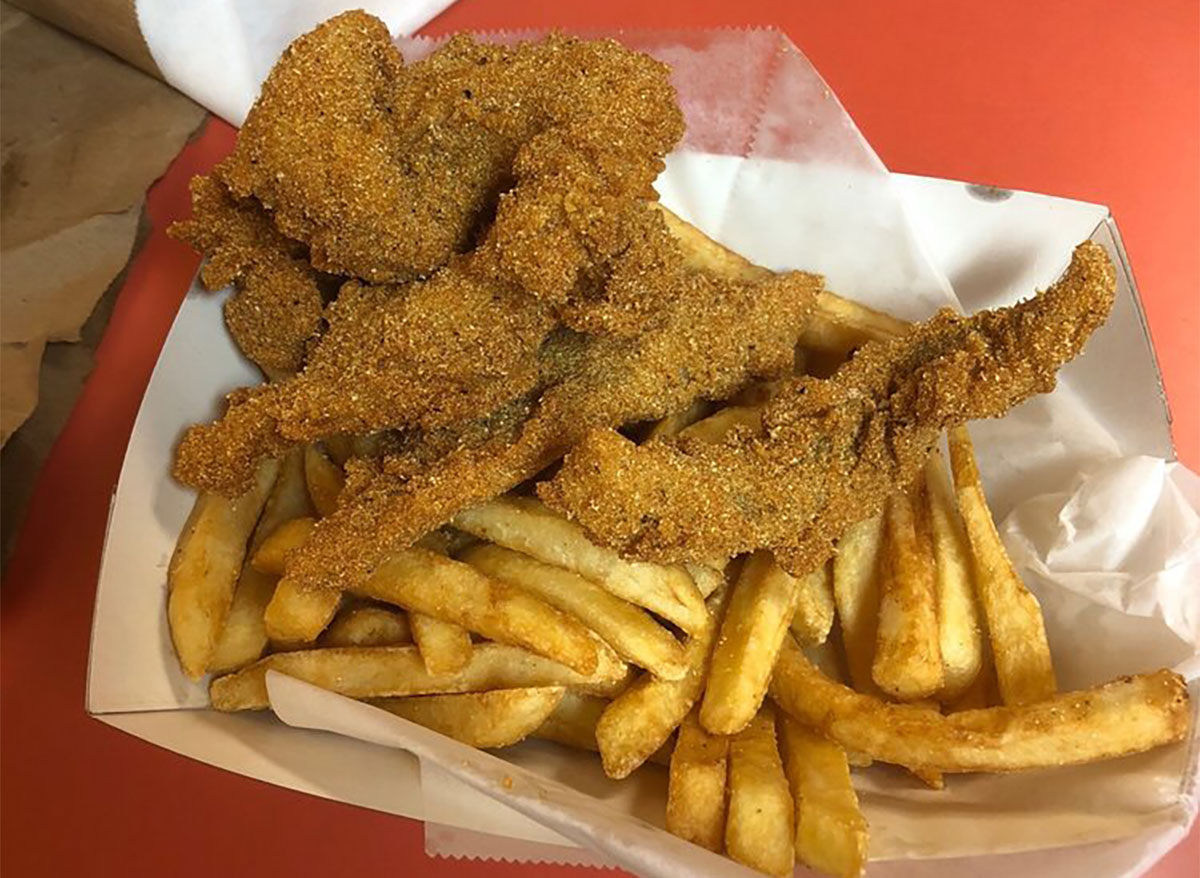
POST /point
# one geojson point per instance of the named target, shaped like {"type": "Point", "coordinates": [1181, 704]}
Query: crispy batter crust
{"type": "Point", "coordinates": [386, 171]}
{"type": "Point", "coordinates": [277, 308]}
{"type": "Point", "coordinates": [716, 336]}
{"type": "Point", "coordinates": [544, 153]}
{"type": "Point", "coordinates": [832, 450]}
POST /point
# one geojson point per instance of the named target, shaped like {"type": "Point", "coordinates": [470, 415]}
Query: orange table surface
{"type": "Point", "coordinates": [1096, 101]}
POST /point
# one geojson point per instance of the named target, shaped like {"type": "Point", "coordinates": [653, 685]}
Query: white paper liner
{"type": "Point", "coordinates": [218, 52]}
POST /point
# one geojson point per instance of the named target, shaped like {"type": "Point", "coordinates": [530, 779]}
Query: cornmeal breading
{"type": "Point", "coordinates": [832, 450]}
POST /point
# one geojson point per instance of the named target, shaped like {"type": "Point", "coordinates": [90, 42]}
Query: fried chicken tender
{"type": "Point", "coordinates": [277, 308]}
{"type": "Point", "coordinates": [425, 355]}
{"type": "Point", "coordinates": [715, 336]}
{"type": "Point", "coordinates": [387, 171]}
{"type": "Point", "coordinates": [831, 450]}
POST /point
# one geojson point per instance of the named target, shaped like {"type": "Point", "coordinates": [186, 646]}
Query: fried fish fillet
{"type": "Point", "coordinates": [387, 170]}
{"type": "Point", "coordinates": [831, 450]}
{"type": "Point", "coordinates": [426, 355]}
{"type": "Point", "coordinates": [277, 308]}
{"type": "Point", "coordinates": [716, 335]}
{"type": "Point", "coordinates": [541, 155]}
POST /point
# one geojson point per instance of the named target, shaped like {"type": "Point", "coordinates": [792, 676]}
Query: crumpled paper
{"type": "Point", "coordinates": [1125, 535]}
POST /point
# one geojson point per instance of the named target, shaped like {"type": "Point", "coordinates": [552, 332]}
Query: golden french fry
{"type": "Point", "coordinates": [498, 718]}
{"type": "Point", "coordinates": [244, 636]}
{"type": "Point", "coordinates": [708, 576]}
{"type": "Point", "coordinates": [761, 607]}
{"type": "Point", "coordinates": [296, 616]}
{"type": "Point", "coordinates": [432, 584]}
{"type": "Point", "coordinates": [831, 832]}
{"type": "Point", "coordinates": [856, 594]}
{"type": "Point", "coordinates": [367, 626]}
{"type": "Point", "coordinates": [1128, 715]}
{"type": "Point", "coordinates": [984, 691]}
{"type": "Point", "coordinates": [828, 658]}
{"type": "Point", "coordinates": [959, 633]}
{"type": "Point", "coordinates": [672, 424]}
{"type": "Point", "coordinates": [836, 324]}
{"type": "Point", "coordinates": [1015, 626]}
{"type": "Point", "coordinates": [271, 555]}
{"type": "Point", "coordinates": [626, 628]}
{"type": "Point", "coordinates": [446, 541]}
{"type": "Point", "coordinates": [696, 785]}
{"type": "Point", "coordinates": [573, 721]}
{"type": "Point", "coordinates": [639, 720]}
{"type": "Point", "coordinates": [205, 567]}
{"type": "Point", "coordinates": [814, 607]}
{"type": "Point", "coordinates": [386, 671]}
{"type": "Point", "coordinates": [931, 777]}
{"type": "Point", "coordinates": [445, 647]}
{"type": "Point", "coordinates": [524, 525]}
{"type": "Point", "coordinates": [759, 831]}
{"type": "Point", "coordinates": [325, 480]}
{"type": "Point", "coordinates": [717, 426]}
{"type": "Point", "coordinates": [908, 657]}
{"type": "Point", "coordinates": [573, 724]}
{"type": "Point", "coordinates": [340, 447]}
{"type": "Point", "coordinates": [426, 582]}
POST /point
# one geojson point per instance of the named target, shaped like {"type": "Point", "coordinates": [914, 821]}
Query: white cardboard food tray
{"type": "Point", "coordinates": [990, 248]}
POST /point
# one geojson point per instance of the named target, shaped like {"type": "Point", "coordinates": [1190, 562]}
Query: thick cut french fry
{"type": "Point", "coordinates": [446, 541]}
{"type": "Point", "coordinates": [639, 721]}
{"type": "Point", "coordinates": [908, 656]}
{"type": "Point", "coordinates": [717, 426]}
{"type": "Point", "coordinates": [573, 721]}
{"type": "Point", "coordinates": [856, 594]}
{"type": "Point", "coordinates": [673, 424]}
{"type": "Point", "coordinates": [524, 525]}
{"type": "Point", "coordinates": [1128, 715]}
{"type": "Point", "coordinates": [244, 636]}
{"type": "Point", "coordinates": [367, 626]}
{"type": "Point", "coordinates": [296, 616]}
{"type": "Point", "coordinates": [432, 584]}
{"type": "Point", "coordinates": [325, 480]}
{"type": "Point", "coordinates": [444, 646]}
{"type": "Point", "coordinates": [814, 607]}
{"type": "Point", "coordinates": [1015, 627]}
{"type": "Point", "coordinates": [829, 661]}
{"type": "Point", "coordinates": [836, 325]}
{"type": "Point", "coordinates": [761, 607]}
{"type": "Point", "coordinates": [573, 724]}
{"type": "Point", "coordinates": [828, 658]}
{"type": "Point", "coordinates": [708, 576]}
{"type": "Point", "coordinates": [386, 671]}
{"type": "Point", "coordinates": [831, 832]}
{"type": "Point", "coordinates": [626, 628]}
{"type": "Point", "coordinates": [696, 785]}
{"type": "Point", "coordinates": [959, 633]}
{"type": "Point", "coordinates": [271, 555]}
{"type": "Point", "coordinates": [205, 569]}
{"type": "Point", "coordinates": [759, 831]}
{"type": "Point", "coordinates": [498, 718]}
{"type": "Point", "coordinates": [984, 691]}
{"type": "Point", "coordinates": [340, 447]}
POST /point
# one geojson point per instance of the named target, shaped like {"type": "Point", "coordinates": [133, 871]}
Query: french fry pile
{"type": "Point", "coordinates": [916, 645]}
